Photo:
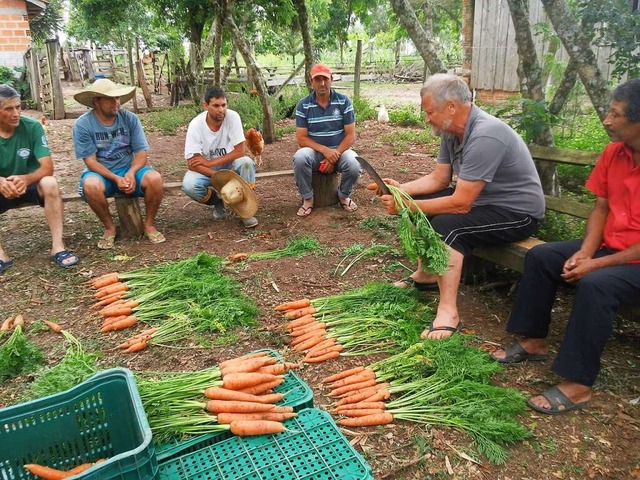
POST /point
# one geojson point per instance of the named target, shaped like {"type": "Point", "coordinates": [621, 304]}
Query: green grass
{"type": "Point", "coordinates": [169, 120]}
{"type": "Point", "coordinates": [584, 132]}
{"type": "Point", "coordinates": [406, 117]}
{"type": "Point", "coordinates": [400, 140]}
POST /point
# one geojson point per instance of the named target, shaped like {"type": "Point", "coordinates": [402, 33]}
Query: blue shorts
{"type": "Point", "coordinates": [111, 187]}
{"type": "Point", "coordinates": [30, 197]}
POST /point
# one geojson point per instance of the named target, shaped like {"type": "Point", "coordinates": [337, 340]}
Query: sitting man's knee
{"type": "Point", "coordinates": [152, 179]}
{"type": "Point", "coordinates": [49, 185]}
{"type": "Point", "coordinates": [92, 186]}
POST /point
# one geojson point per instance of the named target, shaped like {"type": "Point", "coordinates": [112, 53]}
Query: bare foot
{"type": "Point", "coordinates": [575, 392]}
{"type": "Point", "coordinates": [536, 346]}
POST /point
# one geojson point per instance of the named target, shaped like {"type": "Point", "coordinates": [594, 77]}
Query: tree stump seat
{"type": "Point", "coordinates": [325, 189]}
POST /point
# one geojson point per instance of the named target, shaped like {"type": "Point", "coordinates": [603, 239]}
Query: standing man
{"type": "Point", "coordinates": [215, 141]}
{"type": "Point", "coordinates": [325, 131]}
{"type": "Point", "coordinates": [604, 268]}
{"type": "Point", "coordinates": [112, 144]}
{"type": "Point", "coordinates": [26, 174]}
{"type": "Point", "coordinates": [484, 189]}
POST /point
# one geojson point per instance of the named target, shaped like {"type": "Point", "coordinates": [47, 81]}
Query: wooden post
{"type": "Point", "coordinates": [143, 83]}
{"type": "Point", "coordinates": [356, 75]}
{"type": "Point", "coordinates": [325, 189]}
{"type": "Point", "coordinates": [132, 77]}
{"type": "Point", "coordinates": [128, 208]}
{"type": "Point", "coordinates": [88, 64]}
{"type": "Point", "coordinates": [53, 52]}
{"type": "Point", "coordinates": [33, 74]}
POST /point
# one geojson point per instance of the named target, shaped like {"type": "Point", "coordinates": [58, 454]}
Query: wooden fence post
{"type": "Point", "coordinates": [33, 74]}
{"type": "Point", "coordinates": [53, 52]}
{"type": "Point", "coordinates": [356, 75]}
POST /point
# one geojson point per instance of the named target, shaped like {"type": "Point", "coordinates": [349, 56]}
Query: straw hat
{"type": "Point", "coordinates": [235, 192]}
{"type": "Point", "coordinates": [104, 88]}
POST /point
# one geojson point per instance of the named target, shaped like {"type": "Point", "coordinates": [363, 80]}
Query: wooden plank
{"type": "Point", "coordinates": [510, 255]}
{"type": "Point", "coordinates": [567, 156]}
{"type": "Point", "coordinates": [570, 207]}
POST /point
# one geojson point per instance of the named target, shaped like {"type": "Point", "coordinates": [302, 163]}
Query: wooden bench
{"type": "Point", "coordinates": [130, 214]}
{"type": "Point", "coordinates": [512, 255]}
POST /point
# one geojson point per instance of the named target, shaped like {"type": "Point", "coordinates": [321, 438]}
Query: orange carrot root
{"type": "Point", "coordinates": [255, 427]}
{"type": "Point", "coordinates": [367, 421]}
{"type": "Point", "coordinates": [341, 375]}
{"type": "Point", "coordinates": [302, 303]}
{"type": "Point", "coordinates": [53, 326]}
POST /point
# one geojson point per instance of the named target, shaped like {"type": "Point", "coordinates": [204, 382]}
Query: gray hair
{"type": "Point", "coordinates": [7, 92]}
{"type": "Point", "coordinates": [443, 87]}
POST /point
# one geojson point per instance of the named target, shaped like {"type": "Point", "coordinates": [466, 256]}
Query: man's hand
{"type": "Point", "coordinates": [20, 182]}
{"type": "Point", "coordinates": [8, 189]}
{"type": "Point", "coordinates": [331, 155]}
{"type": "Point", "coordinates": [198, 161]}
{"type": "Point", "coordinates": [374, 186]}
{"type": "Point", "coordinates": [124, 185]}
{"type": "Point", "coordinates": [326, 167]}
{"type": "Point", "coordinates": [577, 266]}
{"type": "Point", "coordinates": [390, 204]}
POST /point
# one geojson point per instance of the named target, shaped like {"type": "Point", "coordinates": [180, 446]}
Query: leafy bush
{"type": "Point", "coordinates": [406, 117]}
{"type": "Point", "coordinates": [559, 227]}
{"type": "Point", "coordinates": [364, 110]}
{"type": "Point", "coordinates": [14, 77]}
{"type": "Point", "coordinates": [584, 132]}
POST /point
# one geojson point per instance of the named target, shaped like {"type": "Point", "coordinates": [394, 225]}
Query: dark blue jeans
{"type": "Point", "coordinates": [596, 301]}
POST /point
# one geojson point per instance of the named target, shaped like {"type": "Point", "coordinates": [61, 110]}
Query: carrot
{"type": "Point", "coordinates": [341, 375]}
{"type": "Point", "coordinates": [19, 320]}
{"type": "Point", "coordinates": [311, 342]}
{"type": "Point", "coordinates": [136, 347]}
{"type": "Point", "coordinates": [145, 335]}
{"type": "Point", "coordinates": [108, 300]}
{"type": "Point", "coordinates": [344, 391]}
{"type": "Point", "coordinates": [314, 353]}
{"type": "Point", "coordinates": [53, 326]}
{"type": "Point", "coordinates": [310, 328]}
{"type": "Point", "coordinates": [361, 412]}
{"type": "Point", "coordinates": [6, 325]}
{"type": "Point", "coordinates": [298, 322]}
{"type": "Point", "coordinates": [361, 405]}
{"type": "Point", "coordinates": [363, 394]}
{"type": "Point", "coordinates": [322, 358]}
{"type": "Point", "coordinates": [238, 257]}
{"type": "Point", "coordinates": [124, 308]}
{"type": "Point", "coordinates": [245, 428]}
{"type": "Point", "coordinates": [251, 365]}
{"type": "Point", "coordinates": [329, 342]}
{"type": "Point", "coordinates": [358, 377]}
{"type": "Point", "coordinates": [238, 381]}
{"type": "Point", "coordinates": [113, 288]}
{"type": "Point", "coordinates": [126, 322]}
{"type": "Point", "coordinates": [237, 406]}
{"type": "Point", "coordinates": [278, 368]}
{"type": "Point", "coordinates": [243, 358]}
{"type": "Point", "coordinates": [302, 303]}
{"type": "Point", "coordinates": [218, 393]}
{"type": "Point", "coordinates": [300, 312]}
{"type": "Point", "coordinates": [378, 396]}
{"type": "Point", "coordinates": [367, 421]}
{"type": "Point", "coordinates": [312, 334]}
{"type": "Point", "coordinates": [226, 418]}
{"type": "Point", "coordinates": [109, 320]}
{"type": "Point", "coordinates": [104, 280]}
{"type": "Point", "coordinates": [46, 472]}
{"type": "Point", "coordinates": [263, 387]}
{"type": "Point", "coordinates": [80, 468]}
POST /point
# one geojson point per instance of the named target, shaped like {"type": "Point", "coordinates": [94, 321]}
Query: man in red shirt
{"type": "Point", "coordinates": [604, 268]}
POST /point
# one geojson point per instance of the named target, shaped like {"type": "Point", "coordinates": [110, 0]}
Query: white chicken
{"type": "Point", "coordinates": [383, 115]}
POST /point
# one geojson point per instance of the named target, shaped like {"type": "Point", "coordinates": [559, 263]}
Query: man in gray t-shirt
{"type": "Point", "coordinates": [484, 190]}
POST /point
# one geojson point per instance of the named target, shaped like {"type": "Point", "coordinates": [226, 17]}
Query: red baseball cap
{"type": "Point", "coordinates": [320, 69]}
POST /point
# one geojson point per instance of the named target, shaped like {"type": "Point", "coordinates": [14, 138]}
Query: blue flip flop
{"type": "Point", "coordinates": [4, 265]}
{"type": "Point", "coordinates": [62, 255]}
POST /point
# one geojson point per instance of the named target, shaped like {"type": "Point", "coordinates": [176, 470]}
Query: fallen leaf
{"type": "Point", "coordinates": [448, 464]}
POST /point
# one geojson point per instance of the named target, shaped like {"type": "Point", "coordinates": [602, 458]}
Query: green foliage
{"type": "Point", "coordinates": [582, 132]}
{"type": "Point", "coordinates": [364, 110]}
{"type": "Point", "coordinates": [376, 223]}
{"type": "Point", "coordinates": [557, 226]}
{"type": "Point", "coordinates": [15, 77]}
{"type": "Point", "coordinates": [169, 120]}
{"type": "Point", "coordinates": [528, 117]}
{"type": "Point", "coordinates": [406, 117]}
{"type": "Point", "coordinates": [18, 355]}
{"type": "Point", "coordinates": [297, 247]}
{"type": "Point", "coordinates": [48, 23]}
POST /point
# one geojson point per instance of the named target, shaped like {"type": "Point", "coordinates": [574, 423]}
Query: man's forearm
{"type": "Point", "coordinates": [622, 257]}
{"type": "Point", "coordinates": [423, 186]}
{"type": "Point", "coordinates": [595, 229]}
{"type": "Point", "coordinates": [139, 161]}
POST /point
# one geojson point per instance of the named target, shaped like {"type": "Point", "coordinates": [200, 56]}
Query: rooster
{"type": "Point", "coordinates": [255, 143]}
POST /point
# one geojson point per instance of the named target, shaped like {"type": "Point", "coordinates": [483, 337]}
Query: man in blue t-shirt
{"type": "Point", "coordinates": [325, 131]}
{"type": "Point", "coordinates": [26, 174]}
{"type": "Point", "coordinates": [112, 144]}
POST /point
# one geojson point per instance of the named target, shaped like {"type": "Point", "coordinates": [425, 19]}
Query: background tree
{"type": "Point", "coordinates": [48, 23]}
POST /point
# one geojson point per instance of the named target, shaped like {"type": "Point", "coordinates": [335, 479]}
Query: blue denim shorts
{"type": "Point", "coordinates": [111, 187]}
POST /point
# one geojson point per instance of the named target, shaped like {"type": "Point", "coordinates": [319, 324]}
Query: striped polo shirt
{"type": "Point", "coordinates": [325, 125]}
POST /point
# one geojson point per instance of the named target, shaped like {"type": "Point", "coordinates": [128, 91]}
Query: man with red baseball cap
{"type": "Point", "coordinates": [325, 131]}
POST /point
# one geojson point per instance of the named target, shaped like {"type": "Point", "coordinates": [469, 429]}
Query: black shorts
{"type": "Point", "coordinates": [30, 197]}
{"type": "Point", "coordinates": [485, 225]}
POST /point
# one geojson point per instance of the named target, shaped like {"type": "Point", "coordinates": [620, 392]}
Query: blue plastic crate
{"type": "Point", "coordinates": [299, 396]}
{"type": "Point", "coordinates": [101, 418]}
{"type": "Point", "coordinates": [312, 449]}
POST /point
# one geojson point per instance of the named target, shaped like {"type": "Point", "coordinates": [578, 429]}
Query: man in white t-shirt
{"type": "Point", "coordinates": [215, 141]}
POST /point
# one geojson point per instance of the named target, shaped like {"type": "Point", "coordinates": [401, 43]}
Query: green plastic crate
{"type": "Point", "coordinates": [299, 396]}
{"type": "Point", "coordinates": [101, 418]}
{"type": "Point", "coordinates": [313, 449]}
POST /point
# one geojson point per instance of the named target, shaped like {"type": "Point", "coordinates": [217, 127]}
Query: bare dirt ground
{"type": "Point", "coordinates": [600, 443]}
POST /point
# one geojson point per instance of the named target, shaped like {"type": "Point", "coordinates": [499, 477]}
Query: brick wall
{"type": "Point", "coordinates": [14, 32]}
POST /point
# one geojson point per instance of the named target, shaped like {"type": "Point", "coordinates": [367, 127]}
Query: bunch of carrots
{"type": "Point", "coordinates": [239, 397]}
{"type": "Point", "coordinates": [48, 473]}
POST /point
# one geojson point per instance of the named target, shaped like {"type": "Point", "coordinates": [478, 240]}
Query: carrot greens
{"type": "Point", "coordinates": [295, 248]}
{"type": "Point", "coordinates": [18, 355]}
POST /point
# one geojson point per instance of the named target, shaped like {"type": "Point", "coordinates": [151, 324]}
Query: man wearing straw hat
{"type": "Point", "coordinates": [112, 144]}
{"type": "Point", "coordinates": [215, 146]}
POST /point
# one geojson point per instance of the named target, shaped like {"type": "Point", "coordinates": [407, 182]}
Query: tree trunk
{"type": "Point", "coordinates": [577, 44]}
{"type": "Point", "coordinates": [530, 75]}
{"type": "Point", "coordinates": [243, 46]}
{"type": "Point", "coordinates": [227, 67]}
{"type": "Point", "coordinates": [303, 22]}
{"type": "Point", "coordinates": [423, 42]}
{"type": "Point", "coordinates": [132, 77]}
{"type": "Point", "coordinates": [217, 52]}
{"type": "Point", "coordinates": [567, 83]}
